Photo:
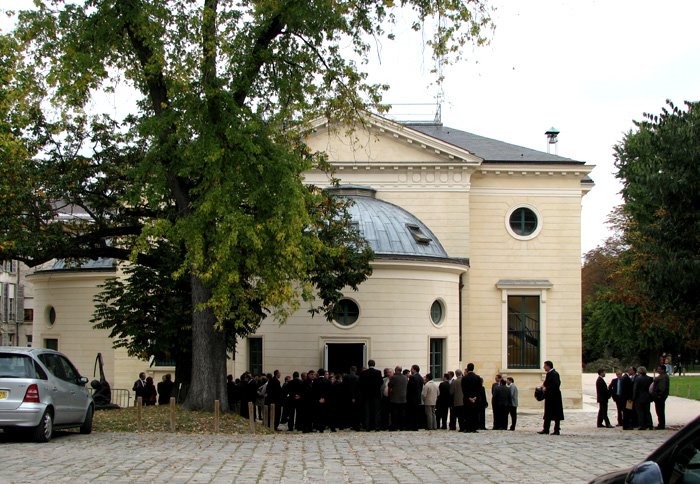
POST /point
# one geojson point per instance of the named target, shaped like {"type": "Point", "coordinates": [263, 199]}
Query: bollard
{"type": "Point", "coordinates": [272, 416]}
{"type": "Point", "coordinates": [139, 410]}
{"type": "Point", "coordinates": [266, 420]}
{"type": "Point", "coordinates": [217, 411]}
{"type": "Point", "coordinates": [172, 414]}
{"type": "Point", "coordinates": [251, 417]}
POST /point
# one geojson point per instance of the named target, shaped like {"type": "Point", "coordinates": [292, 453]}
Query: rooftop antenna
{"type": "Point", "coordinates": [552, 134]}
{"type": "Point", "coordinates": [438, 111]}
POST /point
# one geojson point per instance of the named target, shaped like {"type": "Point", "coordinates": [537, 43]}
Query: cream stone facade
{"type": "Point", "coordinates": [464, 188]}
{"type": "Point", "coordinates": [478, 261]}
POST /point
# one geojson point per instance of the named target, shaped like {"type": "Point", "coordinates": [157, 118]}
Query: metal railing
{"type": "Point", "coordinates": [120, 396]}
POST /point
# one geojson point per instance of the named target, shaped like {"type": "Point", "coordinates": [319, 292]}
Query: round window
{"type": "Point", "coordinates": [51, 315]}
{"type": "Point", "coordinates": [523, 222]}
{"type": "Point", "coordinates": [436, 312]}
{"type": "Point", "coordinates": [346, 312]}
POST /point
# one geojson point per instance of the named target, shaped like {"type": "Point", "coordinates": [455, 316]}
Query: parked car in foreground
{"type": "Point", "coordinates": [41, 390]}
{"type": "Point", "coordinates": [676, 461]}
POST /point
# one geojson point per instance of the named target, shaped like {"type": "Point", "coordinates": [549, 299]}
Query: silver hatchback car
{"type": "Point", "coordinates": [41, 390]}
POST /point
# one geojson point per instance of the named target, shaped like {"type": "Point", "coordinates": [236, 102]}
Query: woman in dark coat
{"type": "Point", "coordinates": [553, 406]}
{"type": "Point", "coordinates": [150, 394]}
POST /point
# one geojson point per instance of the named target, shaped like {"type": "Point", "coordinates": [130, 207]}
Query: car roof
{"type": "Point", "coordinates": [25, 350]}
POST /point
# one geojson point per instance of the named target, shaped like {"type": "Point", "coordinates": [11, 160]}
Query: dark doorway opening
{"type": "Point", "coordinates": [341, 356]}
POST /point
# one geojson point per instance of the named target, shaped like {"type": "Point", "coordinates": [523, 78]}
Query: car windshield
{"type": "Point", "coordinates": [16, 366]}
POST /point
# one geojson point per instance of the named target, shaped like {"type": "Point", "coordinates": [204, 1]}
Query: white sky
{"type": "Point", "coordinates": [587, 67]}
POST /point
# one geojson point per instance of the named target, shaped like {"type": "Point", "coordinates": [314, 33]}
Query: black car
{"type": "Point", "coordinates": [676, 461]}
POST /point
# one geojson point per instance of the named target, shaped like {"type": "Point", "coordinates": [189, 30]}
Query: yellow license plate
{"type": "Point", "coordinates": [3, 394]}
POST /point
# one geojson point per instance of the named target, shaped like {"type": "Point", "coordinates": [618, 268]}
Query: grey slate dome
{"type": "Point", "coordinates": [391, 231]}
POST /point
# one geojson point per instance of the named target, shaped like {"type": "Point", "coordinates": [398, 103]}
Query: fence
{"type": "Point", "coordinates": [120, 396]}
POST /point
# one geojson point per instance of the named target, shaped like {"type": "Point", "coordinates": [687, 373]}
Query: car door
{"type": "Point", "coordinates": [78, 394]}
{"type": "Point", "coordinates": [61, 391]}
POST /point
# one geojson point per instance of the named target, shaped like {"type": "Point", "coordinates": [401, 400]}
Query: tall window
{"type": "Point", "coordinates": [523, 331]}
{"type": "Point", "coordinates": [437, 357]}
{"type": "Point", "coordinates": [255, 355]}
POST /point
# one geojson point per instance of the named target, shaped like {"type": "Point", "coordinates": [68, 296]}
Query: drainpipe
{"type": "Point", "coordinates": [459, 295]}
{"type": "Point", "coordinates": [17, 291]}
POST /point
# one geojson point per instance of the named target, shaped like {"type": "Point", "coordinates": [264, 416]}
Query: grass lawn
{"type": "Point", "coordinates": [686, 387]}
{"type": "Point", "coordinates": [157, 419]}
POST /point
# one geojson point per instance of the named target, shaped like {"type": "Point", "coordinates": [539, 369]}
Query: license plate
{"type": "Point", "coordinates": [4, 394]}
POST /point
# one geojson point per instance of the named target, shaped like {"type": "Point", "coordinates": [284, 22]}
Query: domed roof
{"type": "Point", "coordinates": [389, 229]}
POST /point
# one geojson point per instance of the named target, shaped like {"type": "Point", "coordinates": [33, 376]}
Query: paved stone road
{"type": "Point", "coordinates": [523, 456]}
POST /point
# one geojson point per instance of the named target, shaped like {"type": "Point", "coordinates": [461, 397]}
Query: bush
{"type": "Point", "coordinates": [608, 364]}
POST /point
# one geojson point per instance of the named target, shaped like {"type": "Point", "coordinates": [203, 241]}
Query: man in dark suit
{"type": "Point", "coordinates": [615, 389]}
{"type": "Point", "coordinates": [370, 384]}
{"type": "Point", "coordinates": [642, 398]}
{"type": "Point", "coordinates": [553, 405]}
{"type": "Point", "coordinates": [602, 395]}
{"type": "Point", "coordinates": [626, 397]}
{"type": "Point", "coordinates": [295, 393]}
{"type": "Point", "coordinates": [321, 391]}
{"type": "Point", "coordinates": [139, 389]}
{"type": "Point", "coordinates": [273, 396]}
{"type": "Point", "coordinates": [414, 390]}
{"type": "Point", "coordinates": [660, 394]}
{"type": "Point", "coordinates": [471, 389]}
{"type": "Point", "coordinates": [443, 402]}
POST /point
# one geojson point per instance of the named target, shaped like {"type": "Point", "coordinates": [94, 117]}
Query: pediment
{"type": "Point", "coordinates": [379, 141]}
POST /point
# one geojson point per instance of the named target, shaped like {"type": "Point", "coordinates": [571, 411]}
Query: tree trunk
{"type": "Point", "coordinates": [208, 381]}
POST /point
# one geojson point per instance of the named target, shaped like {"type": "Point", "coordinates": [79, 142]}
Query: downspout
{"type": "Point", "coordinates": [459, 296]}
{"type": "Point", "coordinates": [17, 291]}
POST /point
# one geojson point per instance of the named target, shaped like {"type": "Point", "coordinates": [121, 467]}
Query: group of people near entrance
{"type": "Point", "coordinates": [395, 399]}
{"type": "Point", "coordinates": [633, 393]}
{"type": "Point", "coordinates": [144, 388]}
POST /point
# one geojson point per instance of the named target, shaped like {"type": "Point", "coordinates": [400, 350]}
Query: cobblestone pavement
{"type": "Point", "coordinates": [523, 456]}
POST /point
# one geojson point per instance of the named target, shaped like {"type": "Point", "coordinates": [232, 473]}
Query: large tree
{"type": "Point", "coordinates": [618, 319]}
{"type": "Point", "coordinates": [210, 158]}
{"type": "Point", "coordinates": [659, 166]}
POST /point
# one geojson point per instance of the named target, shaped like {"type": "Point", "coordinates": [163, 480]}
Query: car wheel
{"type": "Point", "coordinates": [43, 431]}
{"type": "Point", "coordinates": [86, 427]}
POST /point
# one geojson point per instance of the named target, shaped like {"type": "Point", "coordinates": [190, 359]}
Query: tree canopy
{"type": "Point", "coordinates": [641, 288]}
{"type": "Point", "coordinates": [209, 160]}
{"type": "Point", "coordinates": [659, 166]}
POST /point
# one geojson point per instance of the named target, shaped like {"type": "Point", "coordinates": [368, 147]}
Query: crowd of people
{"type": "Point", "coordinates": [144, 388]}
{"type": "Point", "coordinates": [633, 393]}
{"type": "Point", "coordinates": [372, 400]}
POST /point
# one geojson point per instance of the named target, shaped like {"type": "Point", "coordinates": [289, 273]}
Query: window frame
{"type": "Point", "coordinates": [251, 365]}
{"type": "Point", "coordinates": [340, 325]}
{"type": "Point", "coordinates": [433, 355]}
{"type": "Point", "coordinates": [526, 287]}
{"type": "Point", "coordinates": [538, 218]}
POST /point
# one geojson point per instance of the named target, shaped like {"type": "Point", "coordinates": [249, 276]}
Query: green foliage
{"type": "Point", "coordinates": [149, 313]}
{"type": "Point", "coordinates": [618, 320]}
{"type": "Point", "coordinates": [659, 166]}
{"type": "Point", "coordinates": [209, 160]}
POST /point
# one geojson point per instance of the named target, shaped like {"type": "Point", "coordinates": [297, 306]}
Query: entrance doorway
{"type": "Point", "coordinates": [340, 357]}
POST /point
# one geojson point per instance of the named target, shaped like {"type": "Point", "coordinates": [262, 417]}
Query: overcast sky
{"type": "Point", "coordinates": [588, 68]}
